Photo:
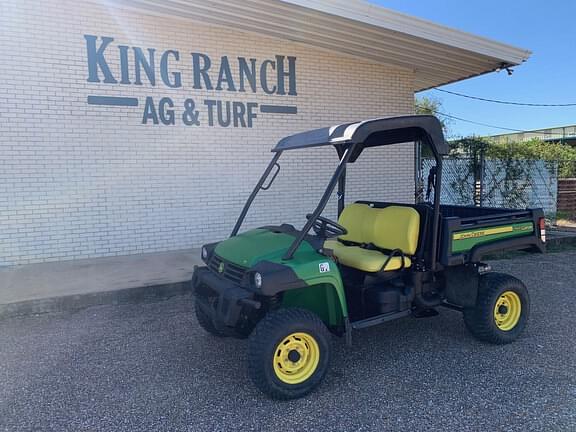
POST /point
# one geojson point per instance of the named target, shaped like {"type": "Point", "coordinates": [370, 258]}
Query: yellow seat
{"type": "Point", "coordinates": [389, 228]}
{"type": "Point", "coordinates": [364, 259]}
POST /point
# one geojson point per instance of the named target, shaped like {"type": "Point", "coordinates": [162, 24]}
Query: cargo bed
{"type": "Point", "coordinates": [468, 233]}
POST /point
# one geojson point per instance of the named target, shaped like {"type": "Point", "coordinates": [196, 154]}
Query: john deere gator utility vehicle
{"type": "Point", "coordinates": [289, 289]}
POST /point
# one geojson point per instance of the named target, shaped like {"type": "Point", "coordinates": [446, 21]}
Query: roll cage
{"type": "Point", "coordinates": [350, 140]}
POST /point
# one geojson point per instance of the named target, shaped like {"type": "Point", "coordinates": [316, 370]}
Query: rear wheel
{"type": "Point", "coordinates": [289, 353]}
{"type": "Point", "coordinates": [501, 311]}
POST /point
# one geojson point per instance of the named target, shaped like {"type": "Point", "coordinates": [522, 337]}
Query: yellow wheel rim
{"type": "Point", "coordinates": [296, 358]}
{"type": "Point", "coordinates": [507, 310]}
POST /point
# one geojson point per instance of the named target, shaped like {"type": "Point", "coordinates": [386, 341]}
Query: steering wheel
{"type": "Point", "coordinates": [327, 228]}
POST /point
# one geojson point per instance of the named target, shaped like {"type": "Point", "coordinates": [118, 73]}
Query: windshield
{"type": "Point", "coordinates": [280, 196]}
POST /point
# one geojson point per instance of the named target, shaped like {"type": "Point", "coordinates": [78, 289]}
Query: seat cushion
{"type": "Point", "coordinates": [364, 259]}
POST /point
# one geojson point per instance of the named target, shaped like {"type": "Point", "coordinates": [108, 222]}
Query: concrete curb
{"type": "Point", "coordinates": [81, 301]}
{"type": "Point", "coordinates": [563, 240]}
{"type": "Point", "coordinates": [153, 292]}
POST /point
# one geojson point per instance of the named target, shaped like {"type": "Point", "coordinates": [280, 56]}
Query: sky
{"type": "Point", "coordinates": [549, 76]}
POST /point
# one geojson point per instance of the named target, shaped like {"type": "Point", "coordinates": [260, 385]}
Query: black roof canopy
{"type": "Point", "coordinates": [371, 133]}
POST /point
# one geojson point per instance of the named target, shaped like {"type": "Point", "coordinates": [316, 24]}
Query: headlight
{"type": "Point", "coordinates": [257, 280]}
{"type": "Point", "coordinates": [204, 253]}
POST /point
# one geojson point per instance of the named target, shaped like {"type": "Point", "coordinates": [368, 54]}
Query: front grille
{"type": "Point", "coordinates": [226, 269]}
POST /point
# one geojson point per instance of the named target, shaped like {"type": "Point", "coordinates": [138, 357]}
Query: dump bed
{"type": "Point", "coordinates": [469, 233]}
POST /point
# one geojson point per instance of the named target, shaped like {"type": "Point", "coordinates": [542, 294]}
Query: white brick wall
{"type": "Point", "coordinates": [81, 181]}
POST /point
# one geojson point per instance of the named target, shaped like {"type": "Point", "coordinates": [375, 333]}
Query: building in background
{"type": "Point", "coordinates": [131, 126]}
{"type": "Point", "coordinates": [561, 134]}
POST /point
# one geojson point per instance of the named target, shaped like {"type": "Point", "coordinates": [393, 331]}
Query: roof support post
{"type": "Point", "coordinates": [341, 191]}
{"type": "Point", "coordinates": [436, 219]}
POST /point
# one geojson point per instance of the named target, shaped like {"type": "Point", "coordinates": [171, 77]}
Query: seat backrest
{"type": "Point", "coordinates": [396, 227]}
{"type": "Point", "coordinates": [392, 227]}
{"type": "Point", "coordinates": [358, 219]}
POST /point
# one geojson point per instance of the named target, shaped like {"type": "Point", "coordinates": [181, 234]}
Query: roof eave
{"type": "Point", "coordinates": [378, 16]}
{"type": "Point", "coordinates": [438, 55]}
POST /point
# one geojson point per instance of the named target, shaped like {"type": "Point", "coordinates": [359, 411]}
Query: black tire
{"type": "Point", "coordinates": [481, 320]}
{"type": "Point", "coordinates": [206, 322]}
{"type": "Point", "coordinates": [264, 342]}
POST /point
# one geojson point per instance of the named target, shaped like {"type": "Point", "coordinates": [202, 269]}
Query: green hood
{"type": "Point", "coordinates": [251, 247]}
{"type": "Point", "coordinates": [307, 268]}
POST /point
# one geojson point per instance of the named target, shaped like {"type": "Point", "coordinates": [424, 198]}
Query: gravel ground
{"type": "Point", "coordinates": [149, 367]}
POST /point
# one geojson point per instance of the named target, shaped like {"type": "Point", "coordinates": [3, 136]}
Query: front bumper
{"type": "Point", "coordinates": [227, 303]}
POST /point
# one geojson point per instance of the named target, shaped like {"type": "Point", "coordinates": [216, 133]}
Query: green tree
{"type": "Point", "coordinates": [470, 147]}
{"type": "Point", "coordinates": [431, 106]}
{"type": "Point", "coordinates": [426, 105]}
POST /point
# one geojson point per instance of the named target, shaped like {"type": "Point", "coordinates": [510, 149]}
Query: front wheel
{"type": "Point", "coordinates": [289, 353]}
{"type": "Point", "coordinates": [501, 311]}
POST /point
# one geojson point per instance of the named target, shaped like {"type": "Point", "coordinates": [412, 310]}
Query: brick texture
{"type": "Point", "coordinates": [81, 180]}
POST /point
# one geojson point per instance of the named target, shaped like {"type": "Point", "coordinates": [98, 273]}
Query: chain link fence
{"type": "Point", "coordinates": [510, 183]}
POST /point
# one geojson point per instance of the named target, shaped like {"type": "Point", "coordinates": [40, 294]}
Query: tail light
{"type": "Point", "coordinates": [542, 226]}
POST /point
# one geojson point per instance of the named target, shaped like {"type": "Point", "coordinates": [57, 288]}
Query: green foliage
{"type": "Point", "coordinates": [469, 147]}
{"type": "Point", "coordinates": [513, 153]}
{"type": "Point", "coordinates": [472, 149]}
{"type": "Point", "coordinates": [508, 182]}
{"type": "Point", "coordinates": [431, 106]}
{"type": "Point", "coordinates": [427, 105]}
{"type": "Point", "coordinates": [512, 181]}
{"type": "Point", "coordinates": [536, 149]}
{"type": "Point", "coordinates": [533, 149]}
